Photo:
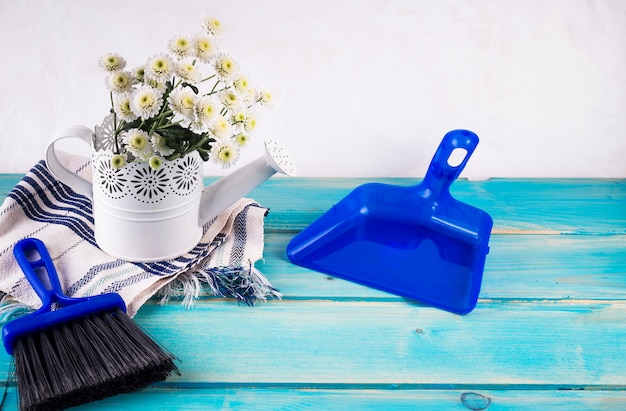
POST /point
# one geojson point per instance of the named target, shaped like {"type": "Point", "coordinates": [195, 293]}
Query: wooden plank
{"type": "Point", "coordinates": [397, 343]}
{"type": "Point", "coordinates": [543, 344]}
{"type": "Point", "coordinates": [517, 267]}
{"type": "Point", "coordinates": [523, 206]}
{"type": "Point", "coordinates": [167, 399]}
{"type": "Point", "coordinates": [517, 206]}
{"type": "Point", "coordinates": [7, 182]}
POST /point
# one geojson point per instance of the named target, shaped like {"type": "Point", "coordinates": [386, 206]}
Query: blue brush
{"type": "Point", "coordinates": [75, 350]}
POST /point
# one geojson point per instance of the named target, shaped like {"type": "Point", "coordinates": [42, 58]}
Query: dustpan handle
{"type": "Point", "coordinates": [444, 168]}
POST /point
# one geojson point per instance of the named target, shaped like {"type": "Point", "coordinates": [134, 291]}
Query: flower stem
{"type": "Point", "coordinates": [214, 87]}
{"type": "Point", "coordinates": [115, 126]}
{"type": "Point", "coordinates": [208, 78]}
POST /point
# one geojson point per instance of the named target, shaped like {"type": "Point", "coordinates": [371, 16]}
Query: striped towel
{"type": "Point", "coordinates": [40, 206]}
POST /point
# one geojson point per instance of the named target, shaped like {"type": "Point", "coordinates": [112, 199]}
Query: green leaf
{"type": "Point", "coordinates": [192, 87]}
{"type": "Point", "coordinates": [133, 124]}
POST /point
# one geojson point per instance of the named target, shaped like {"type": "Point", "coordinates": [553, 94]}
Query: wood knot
{"type": "Point", "coordinates": [475, 401]}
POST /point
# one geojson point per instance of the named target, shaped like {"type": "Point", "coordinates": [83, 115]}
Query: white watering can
{"type": "Point", "coordinates": [145, 215]}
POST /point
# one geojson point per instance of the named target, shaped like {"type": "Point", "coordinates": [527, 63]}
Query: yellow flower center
{"type": "Point", "coordinates": [138, 141]}
{"type": "Point", "coordinates": [118, 161]}
{"type": "Point", "coordinates": [125, 108]}
{"type": "Point", "coordinates": [208, 110]}
{"type": "Point", "coordinates": [204, 45]}
{"type": "Point", "coordinates": [187, 102]}
{"type": "Point", "coordinates": [156, 162]}
{"type": "Point", "coordinates": [241, 139]}
{"type": "Point", "coordinates": [222, 124]}
{"type": "Point", "coordinates": [225, 154]}
{"type": "Point", "coordinates": [250, 124]}
{"type": "Point", "coordinates": [160, 66]}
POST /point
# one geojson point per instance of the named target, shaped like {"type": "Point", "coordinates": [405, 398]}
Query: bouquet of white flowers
{"type": "Point", "coordinates": [189, 98]}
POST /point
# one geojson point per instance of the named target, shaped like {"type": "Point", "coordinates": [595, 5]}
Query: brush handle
{"type": "Point", "coordinates": [33, 257]}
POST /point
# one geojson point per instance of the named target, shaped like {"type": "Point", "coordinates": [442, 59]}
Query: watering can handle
{"type": "Point", "coordinates": [444, 167]}
{"type": "Point", "coordinates": [62, 173]}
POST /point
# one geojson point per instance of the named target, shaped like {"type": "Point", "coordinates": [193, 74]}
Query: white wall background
{"type": "Point", "coordinates": [361, 88]}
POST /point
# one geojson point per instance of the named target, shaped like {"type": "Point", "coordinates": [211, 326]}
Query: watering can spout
{"type": "Point", "coordinates": [219, 195]}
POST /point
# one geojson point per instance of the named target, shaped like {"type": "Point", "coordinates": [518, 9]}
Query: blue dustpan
{"type": "Point", "coordinates": [417, 241]}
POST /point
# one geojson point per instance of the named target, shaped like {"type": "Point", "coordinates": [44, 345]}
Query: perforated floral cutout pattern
{"type": "Point", "coordinates": [148, 185]}
{"type": "Point", "coordinates": [103, 138]}
{"type": "Point", "coordinates": [112, 181]}
{"type": "Point", "coordinates": [179, 177]}
{"type": "Point", "coordinates": [185, 175]}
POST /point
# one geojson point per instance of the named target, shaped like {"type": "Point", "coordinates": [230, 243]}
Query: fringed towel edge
{"type": "Point", "coordinates": [246, 284]}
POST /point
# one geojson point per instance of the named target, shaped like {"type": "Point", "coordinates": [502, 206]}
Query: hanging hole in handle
{"type": "Point", "coordinates": [457, 157]}
{"type": "Point", "coordinates": [38, 266]}
{"type": "Point", "coordinates": [32, 255]}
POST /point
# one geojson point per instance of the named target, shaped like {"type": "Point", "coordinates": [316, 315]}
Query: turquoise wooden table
{"type": "Point", "coordinates": [548, 333]}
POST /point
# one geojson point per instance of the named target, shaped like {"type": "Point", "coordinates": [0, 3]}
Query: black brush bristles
{"type": "Point", "coordinates": [76, 350]}
{"type": "Point", "coordinates": [85, 360]}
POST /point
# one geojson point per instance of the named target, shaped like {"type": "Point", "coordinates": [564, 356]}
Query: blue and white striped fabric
{"type": "Point", "coordinates": [42, 207]}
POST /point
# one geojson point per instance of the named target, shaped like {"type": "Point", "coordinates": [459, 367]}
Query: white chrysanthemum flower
{"type": "Point", "coordinates": [121, 106]}
{"type": "Point", "coordinates": [160, 68]}
{"type": "Point", "coordinates": [239, 117]}
{"type": "Point", "coordinates": [204, 47]}
{"type": "Point", "coordinates": [159, 144]}
{"type": "Point", "coordinates": [241, 139]}
{"type": "Point", "coordinates": [181, 47]}
{"type": "Point", "coordinates": [229, 99]}
{"type": "Point", "coordinates": [250, 123]}
{"type": "Point", "coordinates": [138, 143]}
{"type": "Point", "coordinates": [221, 127]}
{"type": "Point", "coordinates": [212, 26]}
{"type": "Point", "coordinates": [155, 162]}
{"type": "Point", "coordinates": [243, 87]}
{"type": "Point", "coordinates": [119, 81]}
{"type": "Point", "coordinates": [182, 101]}
{"type": "Point", "coordinates": [224, 153]}
{"type": "Point", "coordinates": [139, 74]}
{"type": "Point", "coordinates": [225, 66]}
{"type": "Point", "coordinates": [112, 62]}
{"type": "Point", "coordinates": [205, 110]}
{"type": "Point", "coordinates": [146, 101]}
{"type": "Point", "coordinates": [265, 97]}
{"type": "Point", "coordinates": [188, 72]}
{"type": "Point", "coordinates": [118, 161]}
{"type": "Point", "coordinates": [241, 83]}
